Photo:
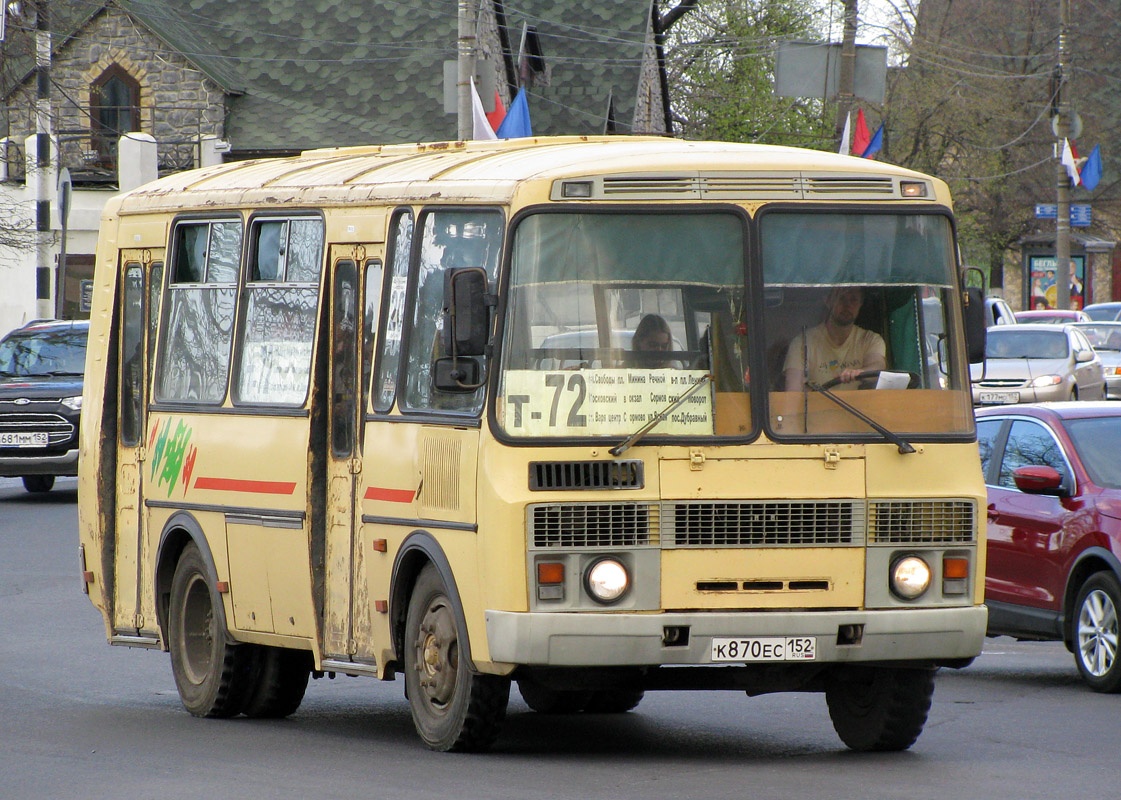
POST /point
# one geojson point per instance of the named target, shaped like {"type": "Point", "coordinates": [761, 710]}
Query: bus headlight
{"type": "Point", "coordinates": [606, 580]}
{"type": "Point", "coordinates": [910, 577]}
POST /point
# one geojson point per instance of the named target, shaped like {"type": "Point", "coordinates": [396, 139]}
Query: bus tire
{"type": "Point", "coordinates": [280, 682]}
{"type": "Point", "coordinates": [613, 701]}
{"type": "Point", "coordinates": [544, 700]}
{"type": "Point", "coordinates": [879, 708]}
{"type": "Point", "coordinates": [212, 673]}
{"type": "Point", "coordinates": [453, 708]}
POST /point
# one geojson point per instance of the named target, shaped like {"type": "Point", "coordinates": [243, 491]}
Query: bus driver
{"type": "Point", "coordinates": [836, 348]}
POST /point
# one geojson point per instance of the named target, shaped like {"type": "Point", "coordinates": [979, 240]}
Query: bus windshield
{"type": "Point", "coordinates": [614, 317]}
{"type": "Point", "coordinates": [861, 301]}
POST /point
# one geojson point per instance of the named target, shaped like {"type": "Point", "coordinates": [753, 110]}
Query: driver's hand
{"type": "Point", "coordinates": [849, 375]}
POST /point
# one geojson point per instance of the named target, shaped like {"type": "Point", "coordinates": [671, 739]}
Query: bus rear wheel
{"type": "Point", "coordinates": [213, 674]}
{"type": "Point", "coordinates": [879, 708]}
{"type": "Point", "coordinates": [453, 708]}
{"type": "Point", "coordinates": [279, 683]}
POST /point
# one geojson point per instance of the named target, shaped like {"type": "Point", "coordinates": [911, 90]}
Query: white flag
{"type": "Point", "coordinates": [480, 128]}
{"type": "Point", "coordinates": [1070, 164]}
{"type": "Point", "coordinates": [847, 135]}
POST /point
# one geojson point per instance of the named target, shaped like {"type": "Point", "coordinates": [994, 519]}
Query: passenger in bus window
{"type": "Point", "coordinates": [651, 338]}
{"type": "Point", "coordinates": [837, 348]}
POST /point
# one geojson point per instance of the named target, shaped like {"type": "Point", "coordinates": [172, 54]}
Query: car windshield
{"type": "Point", "coordinates": [1097, 441]}
{"type": "Point", "coordinates": [1026, 344]}
{"type": "Point", "coordinates": [1102, 337]}
{"type": "Point", "coordinates": [54, 352]}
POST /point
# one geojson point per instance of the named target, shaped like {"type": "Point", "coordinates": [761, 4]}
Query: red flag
{"type": "Point", "coordinates": [495, 117]}
{"type": "Point", "coordinates": [861, 138]}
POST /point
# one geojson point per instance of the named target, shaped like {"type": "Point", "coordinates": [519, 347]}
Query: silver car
{"type": "Point", "coordinates": [1105, 338]}
{"type": "Point", "coordinates": [1037, 362]}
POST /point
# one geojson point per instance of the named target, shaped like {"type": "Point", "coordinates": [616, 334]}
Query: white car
{"type": "Point", "coordinates": [1037, 362]}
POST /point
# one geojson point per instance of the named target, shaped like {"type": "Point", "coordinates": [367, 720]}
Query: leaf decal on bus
{"type": "Point", "coordinates": [173, 456]}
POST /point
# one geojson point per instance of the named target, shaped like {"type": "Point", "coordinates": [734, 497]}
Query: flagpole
{"type": "Point", "coordinates": [1062, 178]}
{"type": "Point", "coordinates": [468, 25]}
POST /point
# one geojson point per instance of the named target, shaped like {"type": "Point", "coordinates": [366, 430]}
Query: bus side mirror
{"type": "Point", "coordinates": [456, 374]}
{"type": "Point", "coordinates": [465, 312]}
{"type": "Point", "coordinates": [973, 312]}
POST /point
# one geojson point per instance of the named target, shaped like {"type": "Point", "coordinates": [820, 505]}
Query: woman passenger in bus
{"type": "Point", "coordinates": [652, 338]}
{"type": "Point", "coordinates": [836, 348]}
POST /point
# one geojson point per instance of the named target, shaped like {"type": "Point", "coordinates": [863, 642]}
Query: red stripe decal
{"type": "Point", "coordinates": [251, 487]}
{"type": "Point", "coordinates": [390, 495]}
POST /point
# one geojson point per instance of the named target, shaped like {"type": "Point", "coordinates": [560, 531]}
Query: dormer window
{"type": "Point", "coordinates": [114, 111]}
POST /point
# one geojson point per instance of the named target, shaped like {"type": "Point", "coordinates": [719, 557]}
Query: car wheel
{"type": "Point", "coordinates": [1096, 632]}
{"type": "Point", "coordinates": [37, 484]}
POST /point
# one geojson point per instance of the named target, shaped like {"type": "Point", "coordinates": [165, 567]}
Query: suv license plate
{"type": "Point", "coordinates": [999, 397]}
{"type": "Point", "coordinates": [24, 440]}
{"type": "Point", "coordinates": [766, 648]}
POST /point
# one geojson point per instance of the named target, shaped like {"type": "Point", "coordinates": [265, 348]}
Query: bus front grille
{"type": "Point", "coordinates": [752, 523]}
{"type": "Point", "coordinates": [764, 523]}
{"type": "Point", "coordinates": [921, 522]}
{"type": "Point", "coordinates": [593, 525]}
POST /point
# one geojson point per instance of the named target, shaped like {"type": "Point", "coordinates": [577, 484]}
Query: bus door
{"type": "Point", "coordinates": [141, 279]}
{"type": "Point", "coordinates": [356, 283]}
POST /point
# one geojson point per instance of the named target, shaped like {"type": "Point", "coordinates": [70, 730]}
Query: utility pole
{"type": "Point", "coordinates": [466, 54]}
{"type": "Point", "coordinates": [1062, 179]}
{"type": "Point", "coordinates": [44, 302]}
{"type": "Point", "coordinates": [846, 76]}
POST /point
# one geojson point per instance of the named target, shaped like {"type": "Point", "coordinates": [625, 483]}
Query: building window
{"type": "Point", "coordinates": [114, 111]}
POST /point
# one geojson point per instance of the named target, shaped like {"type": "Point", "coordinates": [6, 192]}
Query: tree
{"type": "Point", "coordinates": [721, 72]}
{"type": "Point", "coordinates": [973, 100]}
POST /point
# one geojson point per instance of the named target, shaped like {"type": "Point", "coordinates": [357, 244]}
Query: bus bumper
{"type": "Point", "coordinates": [935, 635]}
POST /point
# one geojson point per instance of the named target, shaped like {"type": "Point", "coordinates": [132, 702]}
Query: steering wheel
{"type": "Point", "coordinates": [865, 377]}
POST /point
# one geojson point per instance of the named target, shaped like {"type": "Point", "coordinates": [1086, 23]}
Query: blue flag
{"type": "Point", "coordinates": [875, 144]}
{"type": "Point", "coordinates": [1092, 170]}
{"type": "Point", "coordinates": [516, 124]}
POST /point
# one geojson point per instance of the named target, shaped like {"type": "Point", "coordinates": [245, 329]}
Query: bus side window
{"type": "Point", "coordinates": [399, 255]}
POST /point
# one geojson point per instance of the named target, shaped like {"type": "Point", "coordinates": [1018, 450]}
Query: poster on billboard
{"type": "Point", "coordinates": [1041, 276]}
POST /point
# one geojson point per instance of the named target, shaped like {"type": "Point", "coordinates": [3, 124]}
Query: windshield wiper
{"type": "Point", "coordinates": [634, 438]}
{"type": "Point", "coordinates": [903, 445]}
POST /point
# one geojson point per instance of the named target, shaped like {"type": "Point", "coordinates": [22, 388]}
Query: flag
{"type": "Point", "coordinates": [876, 143]}
{"type": "Point", "coordinates": [495, 117]}
{"type": "Point", "coordinates": [1091, 171]}
{"type": "Point", "coordinates": [516, 124]}
{"type": "Point", "coordinates": [860, 137]}
{"type": "Point", "coordinates": [846, 134]}
{"type": "Point", "coordinates": [480, 127]}
{"type": "Point", "coordinates": [1068, 161]}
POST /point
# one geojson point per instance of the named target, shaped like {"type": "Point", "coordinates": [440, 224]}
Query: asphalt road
{"type": "Point", "coordinates": [80, 719]}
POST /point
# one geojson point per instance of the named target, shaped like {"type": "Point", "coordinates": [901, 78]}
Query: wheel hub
{"type": "Point", "coordinates": [1098, 633]}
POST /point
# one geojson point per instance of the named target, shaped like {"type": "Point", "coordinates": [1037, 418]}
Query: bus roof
{"type": "Point", "coordinates": [644, 167]}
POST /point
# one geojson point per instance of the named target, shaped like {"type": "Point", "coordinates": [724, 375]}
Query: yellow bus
{"type": "Point", "coordinates": [549, 412]}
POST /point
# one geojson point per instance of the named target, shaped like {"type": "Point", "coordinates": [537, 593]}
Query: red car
{"type": "Point", "coordinates": [1053, 472]}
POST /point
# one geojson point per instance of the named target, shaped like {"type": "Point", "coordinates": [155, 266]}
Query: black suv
{"type": "Point", "coordinates": [41, 369]}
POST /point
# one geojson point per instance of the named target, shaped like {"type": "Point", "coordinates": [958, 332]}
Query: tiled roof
{"type": "Point", "coordinates": [314, 73]}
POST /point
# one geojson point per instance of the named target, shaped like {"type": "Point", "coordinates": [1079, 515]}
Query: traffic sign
{"type": "Point", "coordinates": [1079, 213]}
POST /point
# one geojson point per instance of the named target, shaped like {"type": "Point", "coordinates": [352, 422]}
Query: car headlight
{"type": "Point", "coordinates": [1047, 380]}
{"type": "Point", "coordinates": [606, 580]}
{"type": "Point", "coordinates": [1113, 371]}
{"type": "Point", "coordinates": [910, 577]}
{"type": "Point", "coordinates": [73, 403]}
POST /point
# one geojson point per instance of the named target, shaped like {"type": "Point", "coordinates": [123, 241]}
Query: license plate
{"type": "Point", "coordinates": [765, 648]}
{"type": "Point", "coordinates": [999, 397]}
{"type": "Point", "coordinates": [24, 440]}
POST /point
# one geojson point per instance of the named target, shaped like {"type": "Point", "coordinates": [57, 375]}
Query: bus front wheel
{"type": "Point", "coordinates": [213, 674]}
{"type": "Point", "coordinates": [879, 708]}
{"type": "Point", "coordinates": [453, 708]}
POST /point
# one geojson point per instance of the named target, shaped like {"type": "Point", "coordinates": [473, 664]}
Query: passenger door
{"type": "Point", "coordinates": [356, 283]}
{"type": "Point", "coordinates": [141, 281]}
